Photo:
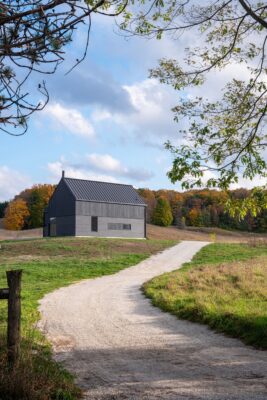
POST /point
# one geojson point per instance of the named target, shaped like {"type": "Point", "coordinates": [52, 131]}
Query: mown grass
{"type": "Point", "coordinates": [47, 265]}
{"type": "Point", "coordinates": [225, 287]}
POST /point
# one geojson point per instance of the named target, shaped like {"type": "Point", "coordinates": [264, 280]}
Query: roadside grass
{"type": "Point", "coordinates": [47, 265]}
{"type": "Point", "coordinates": [225, 287]}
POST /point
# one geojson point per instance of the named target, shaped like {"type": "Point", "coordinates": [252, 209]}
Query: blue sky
{"type": "Point", "coordinates": [106, 120]}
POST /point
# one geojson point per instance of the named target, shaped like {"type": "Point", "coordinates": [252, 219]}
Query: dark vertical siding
{"type": "Point", "coordinates": [145, 222]}
{"type": "Point", "coordinates": [62, 207]}
{"type": "Point", "coordinates": [45, 224]}
{"type": "Point", "coordinates": [65, 226]}
{"type": "Point", "coordinates": [62, 203]}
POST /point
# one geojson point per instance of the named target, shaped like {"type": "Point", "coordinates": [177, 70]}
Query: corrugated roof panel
{"type": "Point", "coordinates": [105, 192]}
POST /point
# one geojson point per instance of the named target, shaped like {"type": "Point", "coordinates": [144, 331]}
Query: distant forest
{"type": "Point", "coordinates": [199, 208]}
{"type": "Point", "coordinates": [202, 208]}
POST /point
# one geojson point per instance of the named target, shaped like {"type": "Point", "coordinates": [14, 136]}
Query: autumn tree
{"type": "Point", "coordinates": [176, 201]}
{"type": "Point", "coordinates": [150, 199]}
{"type": "Point", "coordinates": [194, 217]}
{"type": "Point", "coordinates": [36, 199]}
{"type": "Point", "coordinates": [162, 214]}
{"type": "Point", "coordinates": [16, 214]}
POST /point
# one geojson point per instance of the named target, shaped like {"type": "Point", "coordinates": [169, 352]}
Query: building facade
{"type": "Point", "coordinates": [89, 208]}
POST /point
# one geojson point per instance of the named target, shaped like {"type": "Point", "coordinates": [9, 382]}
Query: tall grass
{"type": "Point", "coordinates": [36, 376]}
{"type": "Point", "coordinates": [225, 287]}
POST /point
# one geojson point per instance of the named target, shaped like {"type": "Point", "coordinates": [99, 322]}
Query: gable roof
{"type": "Point", "coordinates": [103, 192]}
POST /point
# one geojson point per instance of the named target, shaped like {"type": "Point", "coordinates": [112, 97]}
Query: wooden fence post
{"type": "Point", "coordinates": [14, 314]}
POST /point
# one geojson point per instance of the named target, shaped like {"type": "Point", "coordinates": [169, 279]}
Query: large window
{"type": "Point", "coordinates": [113, 226]}
{"type": "Point", "coordinates": [94, 224]}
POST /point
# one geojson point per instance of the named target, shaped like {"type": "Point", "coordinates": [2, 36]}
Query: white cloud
{"type": "Point", "coordinates": [70, 119]}
{"type": "Point", "coordinates": [99, 167]}
{"type": "Point", "coordinates": [100, 115]}
{"type": "Point", "coordinates": [249, 184]}
{"type": "Point", "coordinates": [57, 167]}
{"type": "Point", "coordinates": [107, 163]}
{"type": "Point", "coordinates": [151, 119]}
{"type": "Point", "coordinates": [11, 183]}
{"type": "Point", "coordinates": [216, 80]}
{"type": "Point", "coordinates": [153, 103]}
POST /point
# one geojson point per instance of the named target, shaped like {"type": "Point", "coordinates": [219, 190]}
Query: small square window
{"type": "Point", "coordinates": [127, 227]}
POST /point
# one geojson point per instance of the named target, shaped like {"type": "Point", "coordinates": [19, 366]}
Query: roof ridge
{"type": "Point", "coordinates": [91, 180]}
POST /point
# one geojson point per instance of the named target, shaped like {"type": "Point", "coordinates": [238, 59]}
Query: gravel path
{"type": "Point", "coordinates": [121, 347]}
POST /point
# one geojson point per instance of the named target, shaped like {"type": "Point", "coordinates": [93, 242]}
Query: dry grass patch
{"type": "Point", "coordinates": [79, 247]}
{"type": "Point", "coordinates": [203, 234]}
{"type": "Point", "coordinates": [225, 286]}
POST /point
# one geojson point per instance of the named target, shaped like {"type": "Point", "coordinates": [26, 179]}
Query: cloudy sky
{"type": "Point", "coordinates": [106, 120]}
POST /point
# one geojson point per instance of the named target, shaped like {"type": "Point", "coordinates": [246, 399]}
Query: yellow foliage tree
{"type": "Point", "coordinates": [194, 217]}
{"type": "Point", "coordinates": [16, 214]}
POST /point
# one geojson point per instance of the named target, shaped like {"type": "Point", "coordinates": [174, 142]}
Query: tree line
{"type": "Point", "coordinates": [164, 207]}
{"type": "Point", "coordinates": [26, 210]}
{"type": "Point", "coordinates": [200, 208]}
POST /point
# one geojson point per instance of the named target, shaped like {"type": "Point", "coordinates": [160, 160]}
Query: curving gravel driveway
{"type": "Point", "coordinates": [120, 347]}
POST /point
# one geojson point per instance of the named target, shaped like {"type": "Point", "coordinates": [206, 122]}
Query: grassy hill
{"type": "Point", "coordinates": [49, 264]}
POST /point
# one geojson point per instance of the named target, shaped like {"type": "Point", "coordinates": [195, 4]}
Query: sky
{"type": "Point", "coordinates": [106, 120]}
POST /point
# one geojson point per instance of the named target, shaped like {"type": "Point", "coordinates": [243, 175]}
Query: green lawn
{"type": "Point", "coordinates": [225, 287]}
{"type": "Point", "coordinates": [49, 264]}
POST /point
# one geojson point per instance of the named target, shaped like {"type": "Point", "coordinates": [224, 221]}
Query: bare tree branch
{"type": "Point", "coordinates": [33, 37]}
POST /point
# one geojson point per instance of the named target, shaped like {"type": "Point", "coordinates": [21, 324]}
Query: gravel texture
{"type": "Point", "coordinates": [121, 347]}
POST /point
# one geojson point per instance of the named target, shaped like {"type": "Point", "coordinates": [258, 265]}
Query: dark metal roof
{"type": "Point", "coordinates": [103, 192]}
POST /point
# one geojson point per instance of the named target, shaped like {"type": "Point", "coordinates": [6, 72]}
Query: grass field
{"type": "Point", "coordinates": [225, 287]}
{"type": "Point", "coordinates": [49, 264]}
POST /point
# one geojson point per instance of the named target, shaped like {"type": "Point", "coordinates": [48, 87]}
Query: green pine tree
{"type": "Point", "coordinates": [3, 206]}
{"type": "Point", "coordinates": [36, 208]}
{"type": "Point", "coordinates": [162, 214]}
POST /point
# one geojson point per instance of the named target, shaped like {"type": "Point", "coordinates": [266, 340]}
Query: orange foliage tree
{"type": "Point", "coordinates": [35, 199]}
{"type": "Point", "coordinates": [16, 214]}
{"type": "Point", "coordinates": [193, 217]}
{"type": "Point", "coordinates": [150, 199]}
